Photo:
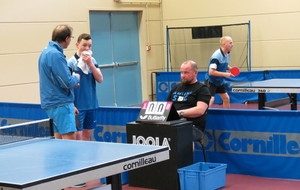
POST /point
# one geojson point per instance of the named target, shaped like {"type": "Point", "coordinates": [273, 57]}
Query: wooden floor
{"type": "Point", "coordinates": [233, 181]}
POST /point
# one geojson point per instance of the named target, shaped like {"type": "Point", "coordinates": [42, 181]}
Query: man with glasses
{"type": "Point", "coordinates": [57, 83]}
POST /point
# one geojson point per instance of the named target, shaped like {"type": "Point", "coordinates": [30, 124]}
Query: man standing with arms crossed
{"type": "Point", "coordinates": [56, 83]}
{"type": "Point", "coordinates": [217, 67]}
{"type": "Point", "coordinates": [86, 101]}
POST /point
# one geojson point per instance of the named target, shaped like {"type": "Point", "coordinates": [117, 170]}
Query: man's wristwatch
{"type": "Point", "coordinates": [181, 114]}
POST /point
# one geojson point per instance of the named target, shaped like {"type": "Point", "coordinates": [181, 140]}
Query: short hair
{"type": "Point", "coordinates": [192, 63]}
{"type": "Point", "coordinates": [222, 39]}
{"type": "Point", "coordinates": [61, 32]}
{"type": "Point", "coordinates": [84, 36]}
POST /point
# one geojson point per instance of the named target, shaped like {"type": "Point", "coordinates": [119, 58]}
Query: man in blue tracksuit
{"type": "Point", "coordinates": [56, 83]}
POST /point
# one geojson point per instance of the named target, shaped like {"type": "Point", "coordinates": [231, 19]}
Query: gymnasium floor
{"type": "Point", "coordinates": [233, 181]}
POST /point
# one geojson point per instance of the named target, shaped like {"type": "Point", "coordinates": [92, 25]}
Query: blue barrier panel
{"type": "Point", "coordinates": [111, 123]}
{"type": "Point", "coordinates": [12, 113]}
{"type": "Point", "coordinates": [22, 111]}
{"type": "Point", "coordinates": [270, 74]}
{"type": "Point", "coordinates": [255, 142]}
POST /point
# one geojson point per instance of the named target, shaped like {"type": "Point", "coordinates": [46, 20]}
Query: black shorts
{"type": "Point", "coordinates": [213, 89]}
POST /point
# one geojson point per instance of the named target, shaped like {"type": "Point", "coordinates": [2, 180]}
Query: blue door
{"type": "Point", "coordinates": [116, 49]}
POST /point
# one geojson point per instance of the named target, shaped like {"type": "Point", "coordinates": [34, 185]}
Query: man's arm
{"type": "Point", "coordinates": [196, 111]}
{"type": "Point", "coordinates": [97, 73]}
{"type": "Point", "coordinates": [216, 73]}
{"type": "Point", "coordinates": [62, 73]}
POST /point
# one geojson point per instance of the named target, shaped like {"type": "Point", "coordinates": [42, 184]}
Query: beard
{"type": "Point", "coordinates": [186, 81]}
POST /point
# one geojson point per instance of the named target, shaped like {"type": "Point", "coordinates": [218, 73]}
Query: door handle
{"type": "Point", "coordinates": [115, 64]}
{"type": "Point", "coordinates": [126, 64]}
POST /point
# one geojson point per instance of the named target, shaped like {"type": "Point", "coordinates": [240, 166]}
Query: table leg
{"type": "Point", "coordinates": [261, 100]}
{"type": "Point", "coordinates": [293, 98]}
{"type": "Point", "coordinates": [115, 182]}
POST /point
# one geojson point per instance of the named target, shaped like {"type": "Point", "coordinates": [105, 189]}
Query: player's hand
{"type": "Point", "coordinates": [76, 85]}
{"type": "Point", "coordinates": [76, 75]}
{"type": "Point", "coordinates": [76, 112]}
{"type": "Point", "coordinates": [87, 58]}
{"type": "Point", "coordinates": [231, 75]}
{"type": "Point", "coordinates": [228, 75]}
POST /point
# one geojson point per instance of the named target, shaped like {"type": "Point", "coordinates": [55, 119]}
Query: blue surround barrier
{"type": "Point", "coordinates": [255, 142]}
{"type": "Point", "coordinates": [262, 143]}
{"type": "Point", "coordinates": [166, 80]}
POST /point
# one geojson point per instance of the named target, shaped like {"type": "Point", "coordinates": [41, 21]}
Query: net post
{"type": "Point", "coordinates": [51, 127]}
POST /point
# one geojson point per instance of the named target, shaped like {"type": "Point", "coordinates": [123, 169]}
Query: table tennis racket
{"type": "Point", "coordinates": [77, 121]}
{"type": "Point", "coordinates": [235, 71]}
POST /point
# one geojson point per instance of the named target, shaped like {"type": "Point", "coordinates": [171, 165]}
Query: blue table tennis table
{"type": "Point", "coordinates": [289, 86]}
{"type": "Point", "coordinates": [50, 164]}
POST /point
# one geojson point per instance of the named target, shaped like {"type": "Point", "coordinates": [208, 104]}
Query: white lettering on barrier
{"type": "Point", "coordinates": [267, 143]}
{"type": "Point", "coordinates": [109, 133]}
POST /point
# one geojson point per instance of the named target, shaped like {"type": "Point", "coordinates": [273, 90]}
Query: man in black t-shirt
{"type": "Point", "coordinates": [190, 97]}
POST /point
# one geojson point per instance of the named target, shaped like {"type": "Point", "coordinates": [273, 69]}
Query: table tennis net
{"type": "Point", "coordinates": [26, 131]}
